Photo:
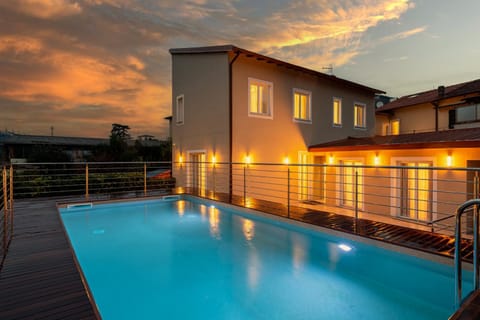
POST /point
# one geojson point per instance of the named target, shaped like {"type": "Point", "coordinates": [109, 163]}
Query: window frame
{"type": "Point", "coordinates": [179, 122]}
{"type": "Point", "coordinates": [476, 111]}
{"type": "Point", "coordinates": [309, 106]}
{"type": "Point", "coordinates": [269, 85]}
{"type": "Point", "coordinates": [364, 107]}
{"type": "Point", "coordinates": [338, 124]}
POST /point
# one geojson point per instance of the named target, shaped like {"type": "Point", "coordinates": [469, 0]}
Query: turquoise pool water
{"type": "Point", "coordinates": [189, 260]}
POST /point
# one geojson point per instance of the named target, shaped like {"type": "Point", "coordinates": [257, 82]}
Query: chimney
{"type": "Point", "coordinates": [441, 91]}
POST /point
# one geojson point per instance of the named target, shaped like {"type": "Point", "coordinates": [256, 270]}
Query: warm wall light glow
{"type": "Point", "coordinates": [331, 159]}
{"type": "Point", "coordinates": [214, 160]}
{"type": "Point", "coordinates": [248, 159]}
{"type": "Point", "coordinates": [449, 160]}
{"type": "Point", "coordinates": [180, 159]}
{"type": "Point", "coordinates": [376, 160]}
{"type": "Point", "coordinates": [286, 160]}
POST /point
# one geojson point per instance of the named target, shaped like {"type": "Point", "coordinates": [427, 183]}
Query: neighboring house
{"type": "Point", "coordinates": [437, 128]}
{"type": "Point", "coordinates": [448, 107]}
{"type": "Point", "coordinates": [234, 105]}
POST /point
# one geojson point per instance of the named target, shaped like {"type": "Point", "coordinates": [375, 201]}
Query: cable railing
{"type": "Point", "coordinates": [6, 211]}
{"type": "Point", "coordinates": [418, 197]}
{"type": "Point", "coordinates": [421, 197]}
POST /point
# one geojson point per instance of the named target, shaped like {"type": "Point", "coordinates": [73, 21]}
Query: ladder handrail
{"type": "Point", "coordinates": [458, 254]}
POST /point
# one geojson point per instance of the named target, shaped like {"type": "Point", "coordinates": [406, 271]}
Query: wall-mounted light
{"type": "Point", "coordinates": [180, 160]}
{"type": "Point", "coordinates": [286, 160]}
{"type": "Point", "coordinates": [449, 159]}
{"type": "Point", "coordinates": [376, 159]}
{"type": "Point", "coordinates": [248, 159]}
{"type": "Point", "coordinates": [331, 159]}
{"type": "Point", "coordinates": [214, 160]}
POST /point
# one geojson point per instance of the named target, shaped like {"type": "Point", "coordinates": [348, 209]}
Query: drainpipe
{"type": "Point", "coordinates": [435, 106]}
{"type": "Point", "coordinates": [230, 122]}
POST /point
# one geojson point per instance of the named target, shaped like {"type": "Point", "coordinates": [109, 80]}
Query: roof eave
{"type": "Point", "coordinates": [400, 146]}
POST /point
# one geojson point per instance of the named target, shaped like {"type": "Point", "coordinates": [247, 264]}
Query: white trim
{"type": "Point", "coordinates": [309, 95]}
{"type": "Point", "coordinates": [189, 166]}
{"type": "Point", "coordinates": [339, 182]}
{"type": "Point", "coordinates": [270, 92]}
{"type": "Point", "coordinates": [337, 125]}
{"type": "Point", "coordinates": [179, 123]}
{"type": "Point", "coordinates": [364, 116]}
{"type": "Point", "coordinates": [395, 187]}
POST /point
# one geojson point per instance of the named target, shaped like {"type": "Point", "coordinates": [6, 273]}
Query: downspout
{"type": "Point", "coordinates": [435, 106]}
{"type": "Point", "coordinates": [230, 122]}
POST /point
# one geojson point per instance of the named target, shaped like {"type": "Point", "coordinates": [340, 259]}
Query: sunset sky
{"type": "Point", "coordinates": [82, 65]}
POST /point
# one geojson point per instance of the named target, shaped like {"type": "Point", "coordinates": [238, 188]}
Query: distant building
{"type": "Point", "coordinates": [14, 147]}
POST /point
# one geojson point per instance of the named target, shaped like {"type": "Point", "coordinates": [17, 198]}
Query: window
{"type": "Point", "coordinates": [180, 109]}
{"type": "Point", "coordinates": [260, 98]}
{"type": "Point", "coordinates": [395, 127]}
{"type": "Point", "coordinates": [467, 114]}
{"type": "Point", "coordinates": [337, 112]}
{"type": "Point", "coordinates": [302, 105]}
{"type": "Point", "coordinates": [351, 187]}
{"type": "Point", "coordinates": [359, 115]}
{"type": "Point", "coordinates": [416, 190]}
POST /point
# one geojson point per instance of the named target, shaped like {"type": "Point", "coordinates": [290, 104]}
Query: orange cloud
{"type": "Point", "coordinates": [44, 8]}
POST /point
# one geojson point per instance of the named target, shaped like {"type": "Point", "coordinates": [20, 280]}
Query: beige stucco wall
{"type": "Point", "coordinates": [203, 80]}
{"type": "Point", "coordinates": [271, 140]}
{"type": "Point", "coordinates": [380, 185]}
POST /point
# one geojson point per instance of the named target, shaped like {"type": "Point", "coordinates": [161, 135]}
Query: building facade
{"type": "Point", "coordinates": [234, 105]}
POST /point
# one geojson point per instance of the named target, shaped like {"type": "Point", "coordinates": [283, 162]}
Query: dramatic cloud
{"type": "Point", "coordinates": [82, 65]}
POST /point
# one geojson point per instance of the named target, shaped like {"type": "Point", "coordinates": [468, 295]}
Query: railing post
{"type": "Point", "coordinates": [356, 195]}
{"type": "Point", "coordinates": [245, 185]}
{"type": "Point", "coordinates": [11, 199]}
{"type": "Point", "coordinates": [86, 181]}
{"type": "Point", "coordinates": [145, 179]}
{"type": "Point", "coordinates": [458, 260]}
{"type": "Point", "coordinates": [475, 234]}
{"type": "Point", "coordinates": [214, 182]}
{"type": "Point", "coordinates": [5, 208]}
{"type": "Point", "coordinates": [288, 191]}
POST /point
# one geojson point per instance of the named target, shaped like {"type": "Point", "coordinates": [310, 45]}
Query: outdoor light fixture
{"type": "Point", "coordinates": [286, 160]}
{"type": "Point", "coordinates": [180, 159]}
{"type": "Point", "coordinates": [449, 160]}
{"type": "Point", "coordinates": [376, 160]}
{"type": "Point", "coordinates": [214, 160]}
{"type": "Point", "coordinates": [330, 159]}
{"type": "Point", "coordinates": [248, 159]}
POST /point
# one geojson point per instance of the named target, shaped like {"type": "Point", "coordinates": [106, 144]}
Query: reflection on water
{"type": "Point", "coordinates": [203, 212]}
{"type": "Point", "coordinates": [214, 219]}
{"type": "Point", "coordinates": [181, 207]}
{"type": "Point", "coordinates": [248, 229]}
{"type": "Point", "coordinates": [299, 252]}
{"type": "Point", "coordinates": [253, 268]}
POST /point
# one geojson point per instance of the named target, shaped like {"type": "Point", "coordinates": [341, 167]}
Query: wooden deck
{"type": "Point", "coordinates": [39, 278]}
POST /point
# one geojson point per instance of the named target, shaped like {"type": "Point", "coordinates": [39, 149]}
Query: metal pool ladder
{"type": "Point", "coordinates": [458, 254]}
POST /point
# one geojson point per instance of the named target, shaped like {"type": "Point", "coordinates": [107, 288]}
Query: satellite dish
{"type": "Point", "coordinates": [379, 104]}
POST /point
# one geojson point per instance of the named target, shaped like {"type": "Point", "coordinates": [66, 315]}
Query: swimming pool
{"type": "Point", "coordinates": [188, 259]}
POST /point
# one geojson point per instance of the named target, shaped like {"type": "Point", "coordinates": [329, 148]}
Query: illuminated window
{"type": "Point", "coordinates": [395, 127]}
{"type": "Point", "coordinates": [260, 98]}
{"type": "Point", "coordinates": [180, 110]}
{"type": "Point", "coordinates": [302, 105]}
{"type": "Point", "coordinates": [337, 112]}
{"type": "Point", "coordinates": [359, 115]}
{"type": "Point", "coordinates": [351, 188]}
{"type": "Point", "coordinates": [416, 190]}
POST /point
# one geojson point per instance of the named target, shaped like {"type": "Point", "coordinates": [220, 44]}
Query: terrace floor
{"type": "Point", "coordinates": [40, 279]}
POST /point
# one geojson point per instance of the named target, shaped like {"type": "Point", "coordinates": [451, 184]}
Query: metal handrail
{"type": "Point", "coordinates": [457, 257]}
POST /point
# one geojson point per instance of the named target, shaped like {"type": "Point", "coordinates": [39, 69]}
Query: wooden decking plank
{"type": "Point", "coordinates": [39, 279]}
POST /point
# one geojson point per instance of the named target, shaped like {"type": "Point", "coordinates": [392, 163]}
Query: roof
{"type": "Point", "coordinates": [458, 138]}
{"type": "Point", "coordinates": [52, 140]}
{"type": "Point", "coordinates": [432, 96]}
{"type": "Point", "coordinates": [260, 57]}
